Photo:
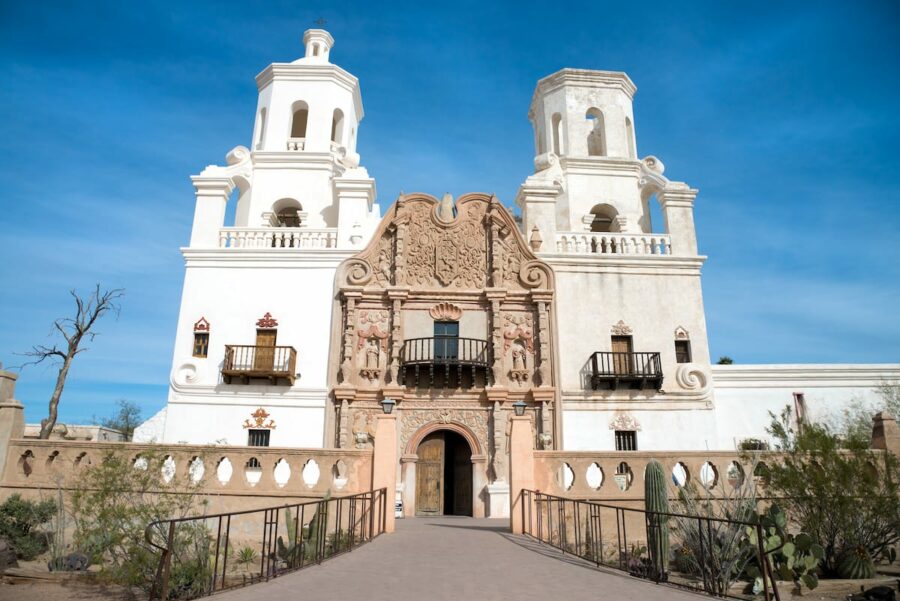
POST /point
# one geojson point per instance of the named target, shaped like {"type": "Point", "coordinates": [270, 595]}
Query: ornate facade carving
{"type": "Point", "coordinates": [624, 421]}
{"type": "Point", "coordinates": [259, 420]}
{"type": "Point", "coordinates": [620, 329]}
{"type": "Point", "coordinates": [474, 419]}
{"type": "Point", "coordinates": [267, 322]}
{"type": "Point", "coordinates": [445, 312]}
{"type": "Point", "coordinates": [201, 325]}
{"type": "Point", "coordinates": [681, 334]}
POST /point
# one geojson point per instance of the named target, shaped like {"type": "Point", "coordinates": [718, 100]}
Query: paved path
{"type": "Point", "coordinates": [455, 559]}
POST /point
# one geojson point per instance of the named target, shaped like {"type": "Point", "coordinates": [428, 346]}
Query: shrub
{"type": "Point", "coordinates": [113, 502]}
{"type": "Point", "coordinates": [19, 523]}
{"type": "Point", "coordinates": [717, 551]}
{"type": "Point", "coordinates": [843, 498]}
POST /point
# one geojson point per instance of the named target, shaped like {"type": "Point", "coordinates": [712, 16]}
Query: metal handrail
{"type": "Point", "coordinates": [584, 519]}
{"type": "Point", "coordinates": [643, 365]}
{"type": "Point", "coordinates": [445, 350]}
{"type": "Point", "coordinates": [259, 361]}
{"type": "Point", "coordinates": [363, 514]}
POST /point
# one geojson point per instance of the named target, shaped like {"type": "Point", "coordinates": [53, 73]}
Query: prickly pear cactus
{"type": "Point", "coordinates": [656, 500]}
{"type": "Point", "coordinates": [856, 564]}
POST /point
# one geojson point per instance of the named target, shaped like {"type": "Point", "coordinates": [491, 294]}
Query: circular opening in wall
{"type": "Point", "coordinates": [252, 471]}
{"type": "Point", "coordinates": [680, 474]}
{"type": "Point", "coordinates": [282, 472]}
{"type": "Point", "coordinates": [565, 476]}
{"type": "Point", "coordinates": [593, 475]}
{"type": "Point", "coordinates": [224, 470]}
{"type": "Point", "coordinates": [709, 475]}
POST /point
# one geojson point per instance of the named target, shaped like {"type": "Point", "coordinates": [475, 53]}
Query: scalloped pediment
{"type": "Point", "coordinates": [425, 243]}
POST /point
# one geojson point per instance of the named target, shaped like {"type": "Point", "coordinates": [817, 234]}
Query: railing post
{"type": "Point", "coordinates": [167, 563]}
{"type": "Point", "coordinates": [521, 467]}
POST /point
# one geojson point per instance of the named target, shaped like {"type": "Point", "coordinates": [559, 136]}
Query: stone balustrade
{"type": "Point", "coordinates": [619, 475]}
{"type": "Point", "coordinates": [218, 470]}
{"type": "Point", "coordinates": [296, 144]}
{"type": "Point", "coordinates": [589, 243]}
{"type": "Point", "coordinates": [277, 238]}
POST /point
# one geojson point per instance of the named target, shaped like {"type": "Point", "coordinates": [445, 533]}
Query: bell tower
{"type": "Point", "coordinates": [588, 178]}
{"type": "Point", "coordinates": [302, 169]}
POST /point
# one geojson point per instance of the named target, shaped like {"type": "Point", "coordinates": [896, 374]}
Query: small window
{"type": "Point", "coordinates": [446, 340]}
{"type": "Point", "coordinates": [626, 440]}
{"type": "Point", "coordinates": [201, 344]}
{"type": "Point", "coordinates": [682, 351]}
{"type": "Point", "coordinates": [258, 438]}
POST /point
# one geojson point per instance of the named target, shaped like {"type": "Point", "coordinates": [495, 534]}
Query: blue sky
{"type": "Point", "coordinates": [784, 116]}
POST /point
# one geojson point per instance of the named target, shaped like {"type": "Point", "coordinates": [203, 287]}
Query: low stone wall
{"type": "Point", "coordinates": [616, 476]}
{"type": "Point", "coordinates": [230, 478]}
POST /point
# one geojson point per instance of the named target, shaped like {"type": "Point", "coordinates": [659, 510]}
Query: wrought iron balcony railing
{"type": "Point", "coordinates": [614, 371]}
{"type": "Point", "coordinates": [276, 363]}
{"type": "Point", "coordinates": [447, 357]}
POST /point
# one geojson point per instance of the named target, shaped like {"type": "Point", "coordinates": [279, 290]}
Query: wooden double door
{"type": "Point", "coordinates": [444, 475]}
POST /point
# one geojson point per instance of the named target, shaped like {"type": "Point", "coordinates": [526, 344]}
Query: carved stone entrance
{"type": "Point", "coordinates": [444, 475]}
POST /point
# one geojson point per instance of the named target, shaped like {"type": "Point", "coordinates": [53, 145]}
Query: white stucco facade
{"type": "Point", "coordinates": [305, 206]}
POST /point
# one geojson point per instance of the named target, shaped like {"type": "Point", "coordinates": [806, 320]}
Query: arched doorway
{"type": "Point", "coordinates": [444, 475]}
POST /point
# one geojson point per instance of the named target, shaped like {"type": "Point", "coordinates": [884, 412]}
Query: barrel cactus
{"type": "Point", "coordinates": [656, 502]}
{"type": "Point", "coordinates": [856, 564]}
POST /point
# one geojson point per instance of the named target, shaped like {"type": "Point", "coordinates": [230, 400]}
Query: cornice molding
{"type": "Point", "coordinates": [584, 78]}
{"type": "Point", "coordinates": [806, 376]}
{"type": "Point", "coordinates": [313, 72]}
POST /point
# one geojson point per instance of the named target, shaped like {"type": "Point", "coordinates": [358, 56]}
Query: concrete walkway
{"type": "Point", "coordinates": [455, 559]}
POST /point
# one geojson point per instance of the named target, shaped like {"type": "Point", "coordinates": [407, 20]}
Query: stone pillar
{"type": "Point", "coordinates": [12, 415]}
{"type": "Point", "coordinates": [521, 468]}
{"type": "Point", "coordinates": [885, 433]}
{"type": "Point", "coordinates": [384, 463]}
{"type": "Point", "coordinates": [354, 197]}
{"type": "Point", "coordinates": [678, 210]}
{"type": "Point", "coordinates": [209, 211]}
{"type": "Point", "coordinates": [537, 200]}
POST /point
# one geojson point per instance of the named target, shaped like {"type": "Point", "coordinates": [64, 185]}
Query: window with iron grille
{"type": "Point", "coordinates": [626, 440]}
{"type": "Point", "coordinates": [201, 344]}
{"type": "Point", "coordinates": [258, 438]}
{"type": "Point", "coordinates": [682, 351]}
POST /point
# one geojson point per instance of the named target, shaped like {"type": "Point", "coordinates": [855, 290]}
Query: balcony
{"type": "Point", "coordinates": [617, 371]}
{"type": "Point", "coordinates": [277, 237]}
{"type": "Point", "coordinates": [278, 364]}
{"type": "Point", "coordinates": [588, 243]}
{"type": "Point", "coordinates": [446, 362]}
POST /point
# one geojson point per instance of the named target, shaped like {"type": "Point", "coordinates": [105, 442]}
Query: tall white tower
{"type": "Point", "coordinates": [588, 177]}
{"type": "Point", "coordinates": [255, 318]}
{"type": "Point", "coordinates": [302, 169]}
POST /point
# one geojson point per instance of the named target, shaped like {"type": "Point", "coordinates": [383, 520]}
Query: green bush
{"type": "Point", "coordinates": [19, 523]}
{"type": "Point", "coordinates": [845, 498]}
{"type": "Point", "coordinates": [113, 502]}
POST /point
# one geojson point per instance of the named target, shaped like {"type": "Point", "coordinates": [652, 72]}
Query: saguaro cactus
{"type": "Point", "coordinates": [656, 501]}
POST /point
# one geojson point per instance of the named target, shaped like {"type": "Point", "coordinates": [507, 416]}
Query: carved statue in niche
{"type": "Point", "coordinates": [519, 371]}
{"type": "Point", "coordinates": [372, 361]}
{"type": "Point", "coordinates": [518, 345]}
{"type": "Point", "coordinates": [372, 342]}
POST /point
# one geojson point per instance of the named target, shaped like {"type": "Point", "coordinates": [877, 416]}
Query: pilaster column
{"type": "Point", "coordinates": [354, 196]}
{"type": "Point", "coordinates": [537, 200]}
{"type": "Point", "coordinates": [396, 296]}
{"type": "Point", "coordinates": [350, 298]}
{"type": "Point", "coordinates": [496, 296]}
{"type": "Point", "coordinates": [677, 203]}
{"type": "Point", "coordinates": [209, 210]}
{"type": "Point", "coordinates": [542, 300]}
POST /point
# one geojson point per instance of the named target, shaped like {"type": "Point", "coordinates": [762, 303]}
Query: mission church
{"type": "Point", "coordinates": [311, 312]}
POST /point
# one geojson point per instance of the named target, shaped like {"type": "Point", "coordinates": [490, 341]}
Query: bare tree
{"type": "Point", "coordinates": [74, 331]}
